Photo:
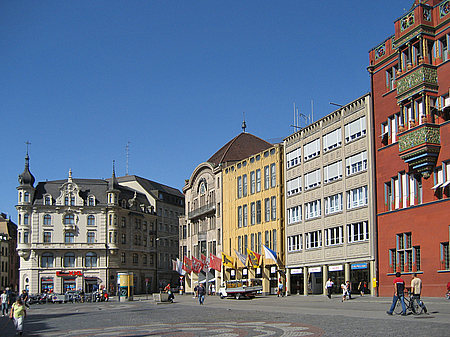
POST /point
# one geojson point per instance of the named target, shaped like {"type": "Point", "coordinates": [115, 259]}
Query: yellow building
{"type": "Point", "coordinates": [253, 216]}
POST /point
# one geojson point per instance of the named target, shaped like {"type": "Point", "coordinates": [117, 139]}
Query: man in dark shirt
{"type": "Point", "coordinates": [399, 294]}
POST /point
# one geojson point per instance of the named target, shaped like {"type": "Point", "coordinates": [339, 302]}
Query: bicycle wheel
{"type": "Point", "coordinates": [417, 309]}
{"type": "Point", "coordinates": [398, 307]}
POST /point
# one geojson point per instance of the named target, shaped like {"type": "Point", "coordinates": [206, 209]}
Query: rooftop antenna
{"type": "Point", "coordinates": [127, 148]}
{"type": "Point", "coordinates": [244, 125]}
{"type": "Point", "coordinates": [312, 111]}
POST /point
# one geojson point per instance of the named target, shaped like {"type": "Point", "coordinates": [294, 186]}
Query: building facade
{"type": "Point", "coordinates": [9, 260]}
{"type": "Point", "coordinates": [410, 77]}
{"type": "Point", "coordinates": [330, 219]}
{"type": "Point", "coordinates": [81, 233]}
{"type": "Point", "coordinates": [253, 209]}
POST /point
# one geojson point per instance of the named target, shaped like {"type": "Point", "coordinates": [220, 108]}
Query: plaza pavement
{"type": "Point", "coordinates": [263, 316]}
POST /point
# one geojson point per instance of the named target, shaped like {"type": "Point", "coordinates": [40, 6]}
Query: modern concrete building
{"type": "Point", "coordinates": [253, 215]}
{"type": "Point", "coordinates": [410, 77]}
{"type": "Point", "coordinates": [81, 233]}
{"type": "Point", "coordinates": [329, 189]}
{"type": "Point", "coordinates": [9, 260]}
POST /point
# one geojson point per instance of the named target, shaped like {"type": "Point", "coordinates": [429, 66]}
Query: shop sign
{"type": "Point", "coordinates": [233, 272]}
{"type": "Point", "coordinates": [69, 273]}
{"type": "Point", "coordinates": [273, 269]}
{"type": "Point", "coordinates": [359, 266]}
{"type": "Point", "coordinates": [336, 268]}
{"type": "Point", "coordinates": [245, 272]}
{"type": "Point", "coordinates": [315, 269]}
{"type": "Point", "coordinates": [296, 271]}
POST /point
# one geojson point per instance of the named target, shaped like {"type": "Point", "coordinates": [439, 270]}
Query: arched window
{"type": "Point", "coordinates": [26, 218]}
{"type": "Point", "coordinates": [69, 237]}
{"type": "Point", "coordinates": [91, 220]}
{"type": "Point", "coordinates": [69, 260]}
{"type": "Point", "coordinates": [91, 201]}
{"type": "Point", "coordinates": [47, 260]}
{"type": "Point", "coordinates": [91, 260]}
{"type": "Point", "coordinates": [27, 197]}
{"type": "Point", "coordinates": [48, 200]}
{"type": "Point", "coordinates": [69, 219]}
{"type": "Point", "coordinates": [47, 220]}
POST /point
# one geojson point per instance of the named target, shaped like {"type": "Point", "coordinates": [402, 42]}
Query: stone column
{"type": "Point", "coordinates": [305, 281]}
{"type": "Point", "coordinates": [288, 281]}
{"type": "Point", "coordinates": [324, 279]}
{"type": "Point", "coordinates": [372, 276]}
{"type": "Point", "coordinates": [347, 271]}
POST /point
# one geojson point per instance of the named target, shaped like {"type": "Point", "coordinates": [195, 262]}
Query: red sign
{"type": "Point", "coordinates": [69, 273]}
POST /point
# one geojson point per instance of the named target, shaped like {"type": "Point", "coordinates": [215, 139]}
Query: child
{"type": "Point", "coordinates": [18, 313]}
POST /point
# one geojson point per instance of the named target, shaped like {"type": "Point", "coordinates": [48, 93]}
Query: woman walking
{"type": "Point", "coordinates": [18, 313]}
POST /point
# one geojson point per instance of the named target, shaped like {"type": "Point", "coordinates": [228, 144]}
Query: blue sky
{"type": "Point", "coordinates": [80, 79]}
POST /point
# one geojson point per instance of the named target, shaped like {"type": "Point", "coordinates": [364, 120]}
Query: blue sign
{"type": "Point", "coordinates": [359, 266]}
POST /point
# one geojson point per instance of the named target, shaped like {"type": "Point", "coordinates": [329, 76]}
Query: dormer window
{"type": "Point", "coordinates": [91, 201]}
{"type": "Point", "coordinates": [47, 200]}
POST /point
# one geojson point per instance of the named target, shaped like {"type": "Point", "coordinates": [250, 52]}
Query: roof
{"type": "Point", "coordinates": [240, 147]}
{"type": "Point", "coordinates": [150, 185]}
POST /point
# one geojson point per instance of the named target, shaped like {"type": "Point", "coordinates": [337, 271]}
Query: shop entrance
{"type": "Point", "coordinates": [315, 283]}
{"type": "Point", "coordinates": [69, 284]}
{"type": "Point", "coordinates": [338, 278]}
{"type": "Point", "coordinates": [89, 284]}
{"type": "Point", "coordinates": [297, 284]}
{"type": "Point", "coordinates": [357, 276]}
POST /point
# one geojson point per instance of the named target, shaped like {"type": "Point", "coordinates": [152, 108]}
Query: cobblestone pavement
{"type": "Point", "coordinates": [264, 316]}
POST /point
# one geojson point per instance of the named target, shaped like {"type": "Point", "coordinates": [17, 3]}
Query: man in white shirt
{"type": "Point", "coordinates": [416, 289]}
{"type": "Point", "coordinates": [4, 300]}
{"type": "Point", "coordinates": [329, 286]}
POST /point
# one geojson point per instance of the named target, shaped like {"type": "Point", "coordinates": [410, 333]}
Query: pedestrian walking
{"type": "Point", "coordinates": [349, 289]}
{"type": "Point", "coordinates": [416, 289]}
{"type": "Point", "coordinates": [362, 287]}
{"type": "Point", "coordinates": [4, 301]}
{"type": "Point", "coordinates": [280, 288]}
{"type": "Point", "coordinates": [399, 294]}
{"type": "Point", "coordinates": [329, 286]}
{"type": "Point", "coordinates": [201, 294]}
{"type": "Point", "coordinates": [195, 291]}
{"type": "Point", "coordinates": [18, 314]}
{"type": "Point", "coordinates": [24, 298]}
{"type": "Point", "coordinates": [344, 291]}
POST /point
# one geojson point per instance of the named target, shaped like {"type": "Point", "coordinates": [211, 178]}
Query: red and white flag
{"type": "Point", "coordinates": [215, 262]}
{"type": "Point", "coordinates": [205, 262]}
{"type": "Point", "coordinates": [197, 265]}
{"type": "Point", "coordinates": [187, 264]}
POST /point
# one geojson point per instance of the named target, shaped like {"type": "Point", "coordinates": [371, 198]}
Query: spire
{"type": "Point", "coordinates": [244, 125]}
{"type": "Point", "coordinates": [26, 178]}
{"type": "Point", "coordinates": [113, 184]}
{"type": "Point", "coordinates": [70, 176]}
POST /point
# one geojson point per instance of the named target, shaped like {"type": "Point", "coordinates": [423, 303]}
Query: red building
{"type": "Point", "coordinates": [410, 78]}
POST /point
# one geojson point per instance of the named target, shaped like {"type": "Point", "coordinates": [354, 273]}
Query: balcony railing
{"type": "Point", "coordinates": [419, 78]}
{"type": "Point", "coordinates": [209, 208]}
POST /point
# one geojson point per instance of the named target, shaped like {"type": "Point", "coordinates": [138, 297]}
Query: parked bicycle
{"type": "Point", "coordinates": [413, 304]}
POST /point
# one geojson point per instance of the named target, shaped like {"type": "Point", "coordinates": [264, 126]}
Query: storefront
{"type": "Point", "coordinates": [90, 283]}
{"type": "Point", "coordinates": [359, 272]}
{"type": "Point", "coordinates": [69, 279]}
{"type": "Point", "coordinates": [315, 281]}
{"type": "Point", "coordinates": [337, 275]}
{"type": "Point", "coordinates": [47, 284]}
{"type": "Point", "coordinates": [245, 273]}
{"type": "Point", "coordinates": [296, 281]}
{"type": "Point", "coordinates": [273, 281]}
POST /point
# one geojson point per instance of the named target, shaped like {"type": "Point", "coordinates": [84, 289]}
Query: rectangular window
{"type": "Point", "coordinates": [258, 212]}
{"type": "Point", "coordinates": [332, 140]}
{"type": "Point", "coordinates": [293, 158]}
{"type": "Point", "coordinates": [47, 237]}
{"type": "Point", "coordinates": [355, 129]}
{"type": "Point", "coordinates": [258, 180]}
{"type": "Point", "coordinates": [295, 243]}
{"type": "Point", "coordinates": [245, 215]}
{"type": "Point", "coordinates": [294, 186]}
{"type": "Point", "coordinates": [266, 239]}
{"type": "Point", "coordinates": [294, 214]}
{"type": "Point", "coordinates": [358, 232]}
{"type": "Point", "coordinates": [273, 207]}
{"type": "Point", "coordinates": [313, 239]}
{"type": "Point", "coordinates": [239, 187]}
{"type": "Point", "coordinates": [259, 242]}
{"type": "Point", "coordinates": [252, 182]}
{"type": "Point", "coordinates": [445, 257]}
{"type": "Point", "coordinates": [239, 216]}
{"type": "Point", "coordinates": [244, 185]}
{"type": "Point", "coordinates": [252, 213]}
{"type": "Point", "coordinates": [267, 210]}
{"type": "Point", "coordinates": [332, 172]}
{"type": "Point", "coordinates": [357, 197]}
{"type": "Point", "coordinates": [266, 177]}
{"type": "Point", "coordinates": [26, 237]}
{"type": "Point", "coordinates": [356, 163]}
{"type": "Point", "coordinates": [390, 78]}
{"type": "Point", "coordinates": [334, 236]}
{"type": "Point", "coordinates": [273, 175]}
{"type": "Point", "coordinates": [333, 204]}
{"type": "Point", "coordinates": [91, 237]}
{"type": "Point", "coordinates": [274, 240]}
{"type": "Point", "coordinates": [239, 244]}
{"type": "Point", "coordinates": [252, 242]}
{"type": "Point", "coordinates": [312, 149]}
{"type": "Point", "coordinates": [312, 179]}
{"type": "Point", "coordinates": [313, 209]}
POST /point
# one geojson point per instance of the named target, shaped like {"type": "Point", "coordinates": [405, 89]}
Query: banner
{"type": "Point", "coordinates": [180, 269]}
{"type": "Point", "coordinates": [270, 254]}
{"type": "Point", "coordinates": [197, 265]}
{"type": "Point", "coordinates": [241, 257]}
{"type": "Point", "coordinates": [187, 265]}
{"type": "Point", "coordinates": [228, 261]}
{"type": "Point", "coordinates": [255, 258]}
{"type": "Point", "coordinates": [215, 262]}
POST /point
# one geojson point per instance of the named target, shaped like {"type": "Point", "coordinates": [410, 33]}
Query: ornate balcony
{"type": "Point", "coordinates": [419, 147]}
{"type": "Point", "coordinates": [420, 78]}
{"type": "Point", "coordinates": [196, 213]}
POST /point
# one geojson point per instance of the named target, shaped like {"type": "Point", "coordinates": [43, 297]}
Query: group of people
{"type": "Point", "coordinates": [399, 293]}
{"type": "Point", "coordinates": [199, 292]}
{"type": "Point", "coordinates": [18, 307]}
{"type": "Point", "coordinates": [346, 289]}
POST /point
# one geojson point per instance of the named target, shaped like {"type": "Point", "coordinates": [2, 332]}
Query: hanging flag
{"type": "Point", "coordinates": [197, 265]}
{"type": "Point", "coordinates": [180, 269]}
{"type": "Point", "coordinates": [270, 254]}
{"type": "Point", "coordinates": [205, 263]}
{"type": "Point", "coordinates": [215, 262]}
{"type": "Point", "coordinates": [187, 264]}
{"type": "Point", "coordinates": [174, 265]}
{"type": "Point", "coordinates": [254, 258]}
{"type": "Point", "coordinates": [228, 261]}
{"type": "Point", "coordinates": [241, 257]}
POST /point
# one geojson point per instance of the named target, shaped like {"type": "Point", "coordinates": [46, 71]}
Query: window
{"type": "Point", "coordinates": [273, 208]}
{"type": "Point", "coordinates": [313, 239]}
{"type": "Point", "coordinates": [293, 158]}
{"type": "Point", "coordinates": [244, 185]}
{"type": "Point", "coordinates": [239, 187]}
{"type": "Point", "coordinates": [123, 258]}
{"type": "Point", "coordinates": [258, 212]}
{"type": "Point", "coordinates": [144, 259]}
{"type": "Point", "coordinates": [252, 182]}
{"type": "Point", "coordinates": [294, 186]}
{"type": "Point", "coordinates": [123, 222]}
{"type": "Point", "coordinates": [406, 257]}
{"type": "Point", "coordinates": [91, 237]}
{"type": "Point", "coordinates": [47, 200]}
{"type": "Point", "coordinates": [295, 243]}
{"type": "Point", "coordinates": [136, 258]}
{"type": "Point", "coordinates": [244, 215]}
{"type": "Point", "coordinates": [91, 220]}
{"type": "Point", "coordinates": [47, 220]}
{"type": "Point", "coordinates": [26, 220]}
{"type": "Point", "coordinates": [26, 197]}
{"type": "Point", "coordinates": [273, 175]}
{"type": "Point", "coordinates": [69, 260]}
{"type": "Point", "coordinates": [334, 236]}
{"type": "Point", "coordinates": [252, 213]}
{"type": "Point", "coordinates": [274, 240]}
{"type": "Point", "coordinates": [66, 201]}
{"type": "Point", "coordinates": [91, 260]}
{"type": "Point", "coordinates": [258, 180]}
{"type": "Point", "coordinates": [26, 236]}
{"type": "Point", "coordinates": [124, 238]}
{"type": "Point", "coordinates": [267, 210]}
{"type": "Point", "coordinates": [438, 181]}
{"type": "Point", "coordinates": [266, 177]}
{"type": "Point", "coordinates": [239, 216]}
{"type": "Point", "coordinates": [294, 214]}
{"type": "Point", "coordinates": [312, 149]}
{"type": "Point", "coordinates": [47, 260]}
{"type": "Point", "coordinates": [443, 48]}
{"type": "Point", "coordinates": [91, 201]}
{"type": "Point", "coordinates": [445, 257]}
{"type": "Point", "coordinates": [313, 209]}
{"type": "Point", "coordinates": [356, 163]}
{"type": "Point", "coordinates": [357, 197]}
{"type": "Point", "coordinates": [312, 179]}
{"type": "Point", "coordinates": [355, 129]}
{"type": "Point", "coordinates": [240, 244]}
{"type": "Point", "coordinates": [69, 237]}
{"type": "Point", "coordinates": [47, 237]}
{"type": "Point", "coordinates": [333, 204]}
{"type": "Point", "coordinates": [332, 140]}
{"type": "Point", "coordinates": [69, 219]}
{"type": "Point", "coordinates": [358, 232]}
{"type": "Point", "coordinates": [332, 172]}
{"type": "Point", "coordinates": [388, 197]}
{"type": "Point", "coordinates": [390, 77]}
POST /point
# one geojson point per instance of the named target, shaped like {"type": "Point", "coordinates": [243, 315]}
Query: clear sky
{"type": "Point", "coordinates": [80, 79]}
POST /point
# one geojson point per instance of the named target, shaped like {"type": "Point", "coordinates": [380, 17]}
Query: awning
{"type": "Point", "coordinates": [202, 277]}
{"type": "Point", "coordinates": [446, 184]}
{"type": "Point", "coordinates": [436, 186]}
